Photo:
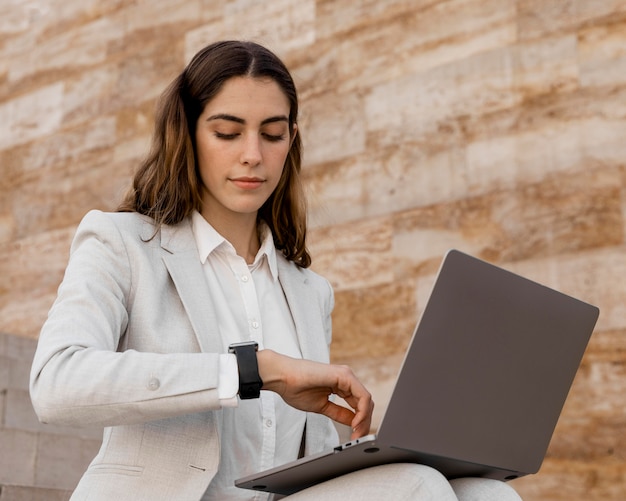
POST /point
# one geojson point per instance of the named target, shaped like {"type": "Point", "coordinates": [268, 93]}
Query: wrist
{"type": "Point", "coordinates": [269, 369]}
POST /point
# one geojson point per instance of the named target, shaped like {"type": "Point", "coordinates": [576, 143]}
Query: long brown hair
{"type": "Point", "coordinates": [167, 185]}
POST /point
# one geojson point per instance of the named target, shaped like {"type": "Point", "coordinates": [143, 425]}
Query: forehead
{"type": "Point", "coordinates": [250, 97]}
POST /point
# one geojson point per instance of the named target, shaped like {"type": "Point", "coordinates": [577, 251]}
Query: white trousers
{"type": "Point", "coordinates": [404, 481]}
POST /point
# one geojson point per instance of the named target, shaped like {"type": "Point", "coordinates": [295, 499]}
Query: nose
{"type": "Point", "coordinates": [251, 154]}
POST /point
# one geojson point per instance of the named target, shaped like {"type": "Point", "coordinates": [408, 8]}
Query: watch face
{"type": "Point", "coordinates": [234, 346]}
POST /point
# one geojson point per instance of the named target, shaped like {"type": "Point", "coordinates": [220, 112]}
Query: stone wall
{"type": "Point", "coordinates": [37, 462]}
{"type": "Point", "coordinates": [494, 126]}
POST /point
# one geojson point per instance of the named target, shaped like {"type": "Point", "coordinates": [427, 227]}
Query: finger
{"type": "Point", "coordinates": [359, 431]}
{"type": "Point", "coordinates": [362, 422]}
{"type": "Point", "coordinates": [364, 408]}
{"type": "Point", "coordinates": [338, 413]}
{"type": "Point", "coordinates": [356, 396]}
{"type": "Point", "coordinates": [359, 399]}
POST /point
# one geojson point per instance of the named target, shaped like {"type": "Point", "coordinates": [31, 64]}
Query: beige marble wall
{"type": "Point", "coordinates": [494, 126]}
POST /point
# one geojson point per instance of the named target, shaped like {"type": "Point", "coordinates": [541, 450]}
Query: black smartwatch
{"type": "Point", "coordinates": [250, 382]}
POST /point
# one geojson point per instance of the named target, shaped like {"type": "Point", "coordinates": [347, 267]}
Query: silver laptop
{"type": "Point", "coordinates": [481, 387]}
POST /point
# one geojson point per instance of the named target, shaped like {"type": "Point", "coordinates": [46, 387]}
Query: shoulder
{"type": "Point", "coordinates": [131, 229]}
{"type": "Point", "coordinates": [122, 224]}
{"type": "Point", "coordinates": [310, 278]}
{"type": "Point", "coordinates": [314, 278]}
{"type": "Point", "coordinates": [123, 221]}
{"type": "Point", "coordinates": [114, 229]}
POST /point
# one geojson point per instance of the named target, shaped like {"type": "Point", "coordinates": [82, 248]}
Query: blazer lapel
{"type": "Point", "coordinates": [182, 261]}
{"type": "Point", "coordinates": [307, 317]}
{"type": "Point", "coordinates": [304, 311]}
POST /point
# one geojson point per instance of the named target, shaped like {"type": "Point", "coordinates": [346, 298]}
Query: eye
{"type": "Point", "coordinates": [274, 138]}
{"type": "Point", "coordinates": [227, 137]}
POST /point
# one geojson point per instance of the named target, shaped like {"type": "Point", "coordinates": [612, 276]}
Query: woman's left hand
{"type": "Point", "coordinates": [308, 385]}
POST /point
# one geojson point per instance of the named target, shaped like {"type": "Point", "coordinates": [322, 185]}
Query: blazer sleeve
{"type": "Point", "coordinates": [78, 377]}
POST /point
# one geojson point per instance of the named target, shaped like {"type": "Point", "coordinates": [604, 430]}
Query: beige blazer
{"type": "Point", "coordinates": [131, 344]}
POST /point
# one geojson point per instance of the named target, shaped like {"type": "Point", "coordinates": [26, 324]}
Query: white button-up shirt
{"type": "Point", "coordinates": [260, 433]}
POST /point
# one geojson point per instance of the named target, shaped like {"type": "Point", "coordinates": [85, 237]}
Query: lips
{"type": "Point", "coordinates": [247, 183]}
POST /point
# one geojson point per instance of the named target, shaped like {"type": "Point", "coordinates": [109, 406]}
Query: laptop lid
{"type": "Point", "coordinates": [481, 387]}
{"type": "Point", "coordinates": [489, 367]}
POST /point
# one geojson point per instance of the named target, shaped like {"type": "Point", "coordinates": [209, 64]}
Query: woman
{"type": "Point", "coordinates": [155, 331]}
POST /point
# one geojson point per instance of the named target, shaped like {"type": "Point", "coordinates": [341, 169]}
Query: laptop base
{"type": "Point", "coordinates": [357, 455]}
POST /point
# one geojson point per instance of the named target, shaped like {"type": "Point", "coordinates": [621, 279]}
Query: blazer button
{"type": "Point", "coordinates": [154, 384]}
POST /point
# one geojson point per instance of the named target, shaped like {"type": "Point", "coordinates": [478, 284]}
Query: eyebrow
{"type": "Point", "coordinates": [233, 118]}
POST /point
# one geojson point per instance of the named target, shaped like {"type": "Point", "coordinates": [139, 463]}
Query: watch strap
{"type": "Point", "coordinates": [250, 382]}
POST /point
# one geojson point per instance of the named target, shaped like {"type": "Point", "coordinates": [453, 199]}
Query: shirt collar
{"type": "Point", "coordinates": [267, 249]}
{"type": "Point", "coordinates": [208, 240]}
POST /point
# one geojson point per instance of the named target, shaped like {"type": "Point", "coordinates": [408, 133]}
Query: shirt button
{"type": "Point", "coordinates": [255, 324]}
{"type": "Point", "coordinates": [154, 384]}
{"type": "Point", "coordinates": [244, 278]}
{"type": "Point", "coordinates": [268, 423]}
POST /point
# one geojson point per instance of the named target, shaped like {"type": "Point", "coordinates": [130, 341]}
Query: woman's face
{"type": "Point", "coordinates": [242, 141]}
